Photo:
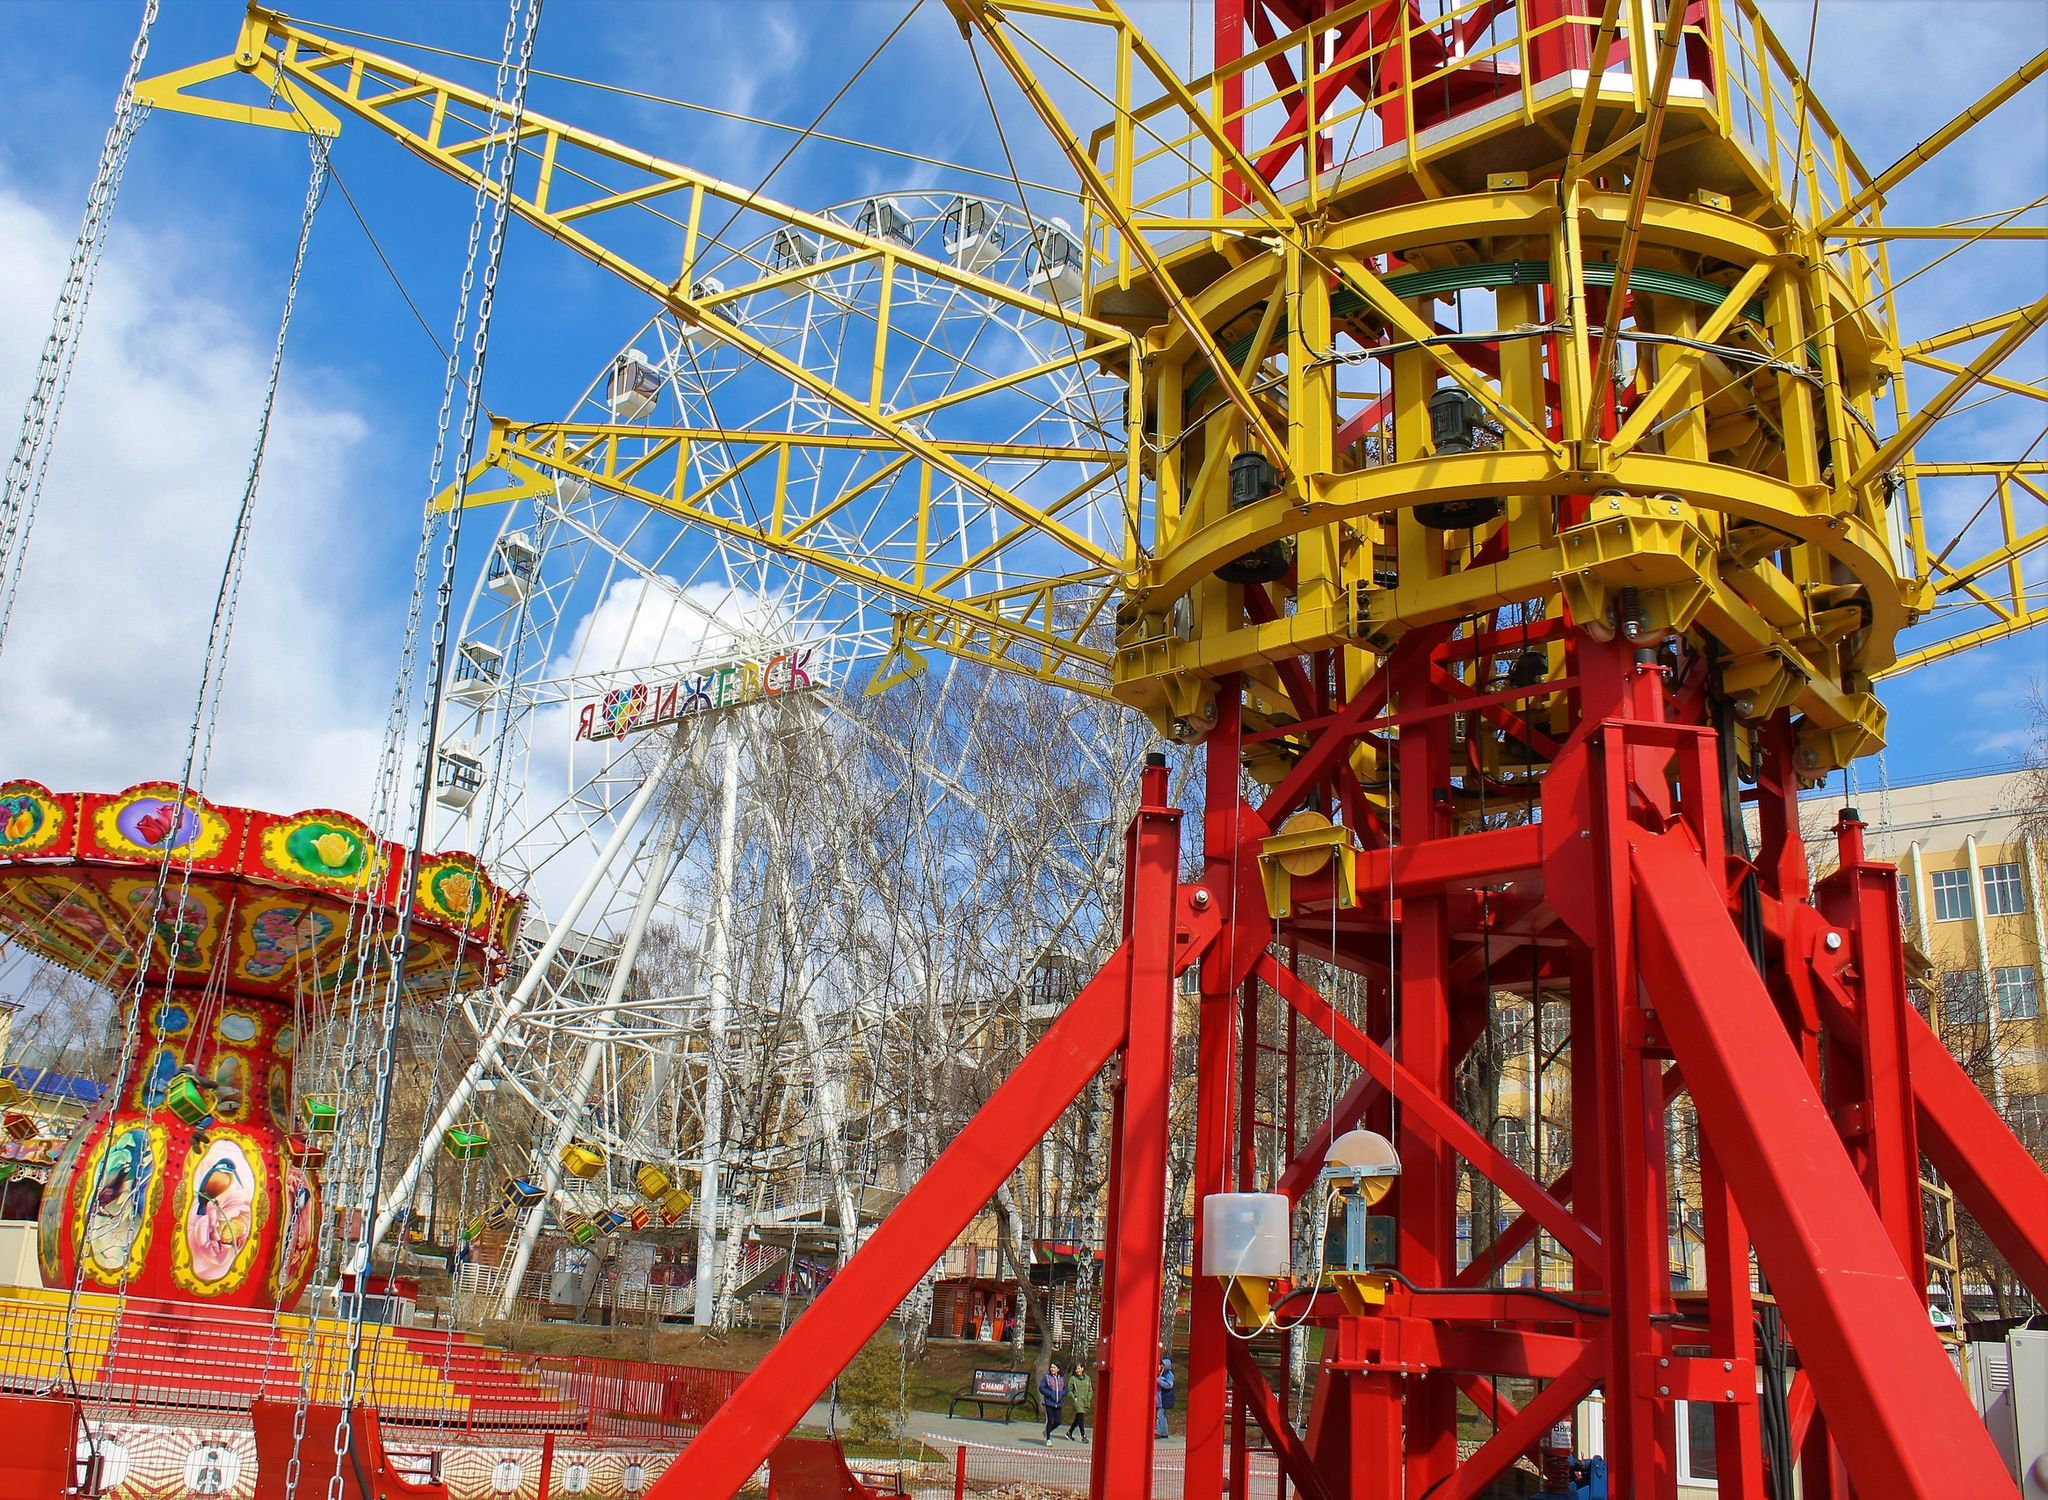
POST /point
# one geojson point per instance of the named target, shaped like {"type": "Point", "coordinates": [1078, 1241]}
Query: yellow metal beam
{"type": "Point", "coordinates": [360, 85]}
{"type": "Point", "coordinates": [1032, 628]}
{"type": "Point", "coordinates": [1900, 443]}
{"type": "Point", "coordinates": [1936, 143]}
{"type": "Point", "coordinates": [1105, 196]}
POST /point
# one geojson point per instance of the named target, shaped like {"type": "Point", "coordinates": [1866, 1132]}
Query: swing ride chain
{"type": "Point", "coordinates": [472, 402]}
{"type": "Point", "coordinates": [200, 737]}
{"type": "Point", "coordinates": [362, 938]}
{"type": "Point", "coordinates": [31, 458]}
{"type": "Point", "coordinates": [359, 940]}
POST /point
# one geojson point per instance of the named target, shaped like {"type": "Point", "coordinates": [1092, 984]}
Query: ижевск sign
{"type": "Point", "coordinates": [641, 706]}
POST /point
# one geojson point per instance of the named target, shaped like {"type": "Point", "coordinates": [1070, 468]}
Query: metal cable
{"type": "Point", "coordinates": [30, 462]}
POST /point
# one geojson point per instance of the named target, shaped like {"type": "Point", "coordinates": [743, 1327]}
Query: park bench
{"type": "Point", "coordinates": [1008, 1389]}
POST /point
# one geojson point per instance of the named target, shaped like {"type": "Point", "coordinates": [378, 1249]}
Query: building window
{"type": "Point", "coordinates": [1962, 997]}
{"type": "Point", "coordinates": [1513, 1136]}
{"type": "Point", "coordinates": [2018, 991]}
{"type": "Point", "coordinates": [1556, 1028]}
{"type": "Point", "coordinates": [1951, 895]}
{"type": "Point", "coordinates": [1696, 1460]}
{"type": "Point", "coordinates": [1906, 904]}
{"type": "Point", "coordinates": [1685, 1135]}
{"type": "Point", "coordinates": [2027, 1114]}
{"type": "Point", "coordinates": [2004, 896]}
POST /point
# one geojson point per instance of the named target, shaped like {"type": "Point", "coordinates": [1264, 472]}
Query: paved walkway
{"type": "Point", "coordinates": [1018, 1453]}
{"type": "Point", "coordinates": [1022, 1432]}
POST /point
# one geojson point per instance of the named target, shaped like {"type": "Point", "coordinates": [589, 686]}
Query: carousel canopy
{"type": "Point", "coordinates": [258, 905]}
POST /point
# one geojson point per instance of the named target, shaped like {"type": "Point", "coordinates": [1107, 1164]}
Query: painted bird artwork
{"type": "Point", "coordinates": [214, 1185]}
{"type": "Point", "coordinates": [114, 1216]}
{"type": "Point", "coordinates": [222, 1222]}
{"type": "Point", "coordinates": [113, 1189]}
{"type": "Point", "coordinates": [21, 821]}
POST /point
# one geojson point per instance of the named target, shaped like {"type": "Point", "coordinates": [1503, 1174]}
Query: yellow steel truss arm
{"type": "Point", "coordinates": [1110, 199]}
{"type": "Point", "coordinates": [1035, 628]}
{"type": "Point", "coordinates": [1935, 144]}
{"type": "Point", "coordinates": [448, 126]}
{"type": "Point", "coordinates": [2022, 326]}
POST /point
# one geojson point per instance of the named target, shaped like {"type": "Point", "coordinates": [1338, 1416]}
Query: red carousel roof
{"type": "Point", "coordinates": [275, 907]}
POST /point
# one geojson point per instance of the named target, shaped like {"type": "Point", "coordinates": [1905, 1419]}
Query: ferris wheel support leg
{"type": "Point", "coordinates": [719, 967]}
{"type": "Point", "coordinates": [661, 865]}
{"type": "Point", "coordinates": [494, 1040]}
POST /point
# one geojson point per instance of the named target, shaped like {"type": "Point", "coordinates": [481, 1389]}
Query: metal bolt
{"type": "Point", "coordinates": [1728, 1364]}
{"type": "Point", "coordinates": [1663, 1390]}
{"type": "Point", "coordinates": [1727, 1395]}
{"type": "Point", "coordinates": [1201, 900]}
{"type": "Point", "coordinates": [1665, 1362]}
{"type": "Point", "coordinates": [1833, 941]}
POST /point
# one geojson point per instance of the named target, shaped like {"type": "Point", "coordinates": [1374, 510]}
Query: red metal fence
{"type": "Point", "coordinates": [634, 1398]}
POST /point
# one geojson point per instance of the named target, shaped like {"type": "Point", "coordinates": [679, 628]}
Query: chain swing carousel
{"type": "Point", "coordinates": [201, 1181]}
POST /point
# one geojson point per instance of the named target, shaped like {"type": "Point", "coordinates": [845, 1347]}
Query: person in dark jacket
{"type": "Point", "coordinates": [1163, 1399]}
{"type": "Point", "coordinates": [1052, 1396]}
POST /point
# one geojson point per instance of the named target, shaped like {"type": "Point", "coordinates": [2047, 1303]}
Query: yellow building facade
{"type": "Point", "coordinates": [1971, 878]}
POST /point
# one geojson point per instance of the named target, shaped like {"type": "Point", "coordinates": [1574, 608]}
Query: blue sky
{"type": "Point", "coordinates": [154, 444]}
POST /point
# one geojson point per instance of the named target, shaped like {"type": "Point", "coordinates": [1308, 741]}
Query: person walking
{"type": "Point", "coordinates": [1080, 1401]}
{"type": "Point", "coordinates": [1052, 1396]}
{"type": "Point", "coordinates": [1163, 1399]}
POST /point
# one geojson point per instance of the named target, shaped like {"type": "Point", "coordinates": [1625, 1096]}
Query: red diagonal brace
{"type": "Point", "coordinates": [1258, 1398]}
{"type": "Point", "coordinates": [1977, 1154]}
{"type": "Point", "coordinates": [1518, 1435]}
{"type": "Point", "coordinates": [858, 1301]}
{"type": "Point", "coordinates": [2001, 1185]}
{"type": "Point", "coordinates": [1433, 1113]}
{"type": "Point", "coordinates": [1892, 1401]}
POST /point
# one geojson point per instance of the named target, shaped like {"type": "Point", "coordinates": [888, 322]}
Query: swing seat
{"type": "Point", "coordinates": [39, 1458]}
{"type": "Point", "coordinates": [366, 1473]}
{"type": "Point", "coordinates": [813, 1469]}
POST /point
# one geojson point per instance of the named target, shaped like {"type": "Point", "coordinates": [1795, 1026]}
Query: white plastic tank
{"type": "Point", "coordinates": [1246, 1234]}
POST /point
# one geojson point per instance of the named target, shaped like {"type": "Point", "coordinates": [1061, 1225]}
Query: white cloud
{"type": "Point", "coordinates": [103, 657]}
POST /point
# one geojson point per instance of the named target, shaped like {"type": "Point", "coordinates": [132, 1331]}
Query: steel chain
{"type": "Point", "coordinates": [30, 461]}
{"type": "Point", "coordinates": [424, 761]}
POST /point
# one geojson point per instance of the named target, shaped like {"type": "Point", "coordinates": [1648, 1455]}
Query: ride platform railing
{"type": "Point", "coordinates": [1370, 90]}
{"type": "Point", "coordinates": [142, 1357]}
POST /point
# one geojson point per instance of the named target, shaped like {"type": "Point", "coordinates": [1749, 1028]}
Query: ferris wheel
{"type": "Point", "coordinates": [631, 697]}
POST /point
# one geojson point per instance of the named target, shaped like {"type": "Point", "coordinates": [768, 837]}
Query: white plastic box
{"type": "Point", "coordinates": [1246, 1234]}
